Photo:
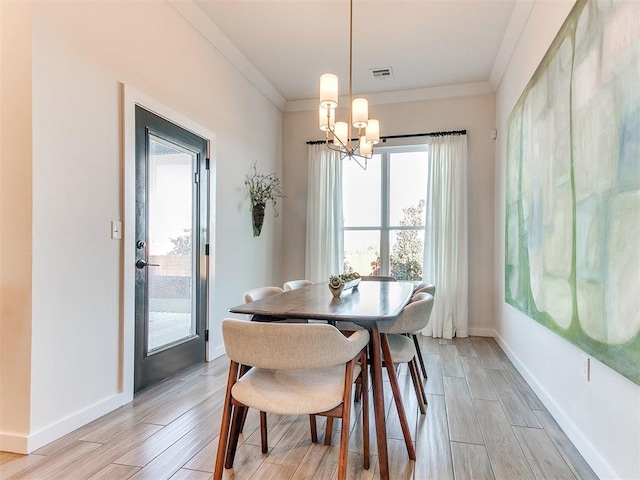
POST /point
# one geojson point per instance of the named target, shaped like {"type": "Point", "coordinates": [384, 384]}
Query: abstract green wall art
{"type": "Point", "coordinates": [572, 226]}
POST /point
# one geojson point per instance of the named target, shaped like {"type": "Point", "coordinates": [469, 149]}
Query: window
{"type": "Point", "coordinates": [384, 211]}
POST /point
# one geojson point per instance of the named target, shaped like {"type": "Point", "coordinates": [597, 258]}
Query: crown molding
{"type": "Point", "coordinates": [212, 33]}
{"type": "Point", "coordinates": [190, 10]}
{"type": "Point", "coordinates": [519, 17]}
{"type": "Point", "coordinates": [402, 96]}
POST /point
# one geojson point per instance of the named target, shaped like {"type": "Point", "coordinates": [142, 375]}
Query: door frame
{"type": "Point", "coordinates": [130, 97]}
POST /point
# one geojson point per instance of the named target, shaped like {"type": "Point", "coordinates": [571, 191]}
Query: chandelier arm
{"type": "Point", "coordinates": [336, 141]}
{"type": "Point", "coordinates": [332, 147]}
{"type": "Point", "coordinates": [356, 158]}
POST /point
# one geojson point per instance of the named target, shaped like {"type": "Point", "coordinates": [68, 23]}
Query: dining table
{"type": "Point", "coordinates": [368, 305]}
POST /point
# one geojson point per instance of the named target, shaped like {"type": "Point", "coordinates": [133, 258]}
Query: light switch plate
{"type": "Point", "coordinates": [116, 230]}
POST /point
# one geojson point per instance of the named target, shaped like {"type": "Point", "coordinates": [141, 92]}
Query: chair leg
{"type": "Point", "coordinates": [423, 392]}
{"type": "Point", "coordinates": [358, 393]}
{"type": "Point", "coordinates": [395, 388]}
{"type": "Point", "coordinates": [239, 413]}
{"type": "Point", "coordinates": [225, 423]}
{"type": "Point", "coordinates": [416, 342]}
{"type": "Point", "coordinates": [365, 410]}
{"type": "Point", "coordinates": [314, 428]}
{"type": "Point", "coordinates": [328, 430]}
{"type": "Point", "coordinates": [346, 416]}
{"type": "Point", "coordinates": [243, 369]}
{"type": "Point", "coordinates": [263, 432]}
{"type": "Point", "coordinates": [417, 384]}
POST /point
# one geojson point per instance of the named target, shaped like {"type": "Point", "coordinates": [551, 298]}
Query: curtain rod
{"type": "Point", "coordinates": [408, 135]}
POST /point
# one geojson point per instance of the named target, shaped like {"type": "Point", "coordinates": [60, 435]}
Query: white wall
{"type": "Point", "coordinates": [81, 52]}
{"type": "Point", "coordinates": [602, 416]}
{"type": "Point", "coordinates": [476, 114]}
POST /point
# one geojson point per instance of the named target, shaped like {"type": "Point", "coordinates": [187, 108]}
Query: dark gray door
{"type": "Point", "coordinates": [170, 246]}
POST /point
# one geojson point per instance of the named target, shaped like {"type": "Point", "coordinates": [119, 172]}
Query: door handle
{"type": "Point", "coordinates": [140, 264]}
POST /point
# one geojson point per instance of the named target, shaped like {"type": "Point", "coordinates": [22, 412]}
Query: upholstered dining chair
{"type": "Point", "coordinates": [378, 278]}
{"type": "Point", "coordinates": [249, 296]}
{"type": "Point", "coordinates": [296, 284]}
{"type": "Point", "coordinates": [429, 288]}
{"type": "Point", "coordinates": [260, 292]}
{"type": "Point", "coordinates": [349, 326]}
{"type": "Point", "coordinates": [414, 317]}
{"type": "Point", "coordinates": [295, 370]}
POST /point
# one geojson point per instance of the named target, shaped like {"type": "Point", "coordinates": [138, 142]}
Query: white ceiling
{"type": "Point", "coordinates": [284, 45]}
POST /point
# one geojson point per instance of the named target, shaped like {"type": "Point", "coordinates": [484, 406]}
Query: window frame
{"type": "Point", "coordinates": [385, 228]}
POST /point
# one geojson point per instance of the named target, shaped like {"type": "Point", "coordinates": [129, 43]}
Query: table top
{"type": "Point", "coordinates": [371, 301]}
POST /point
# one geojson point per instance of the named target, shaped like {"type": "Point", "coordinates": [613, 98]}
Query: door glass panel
{"type": "Point", "coordinates": [170, 216]}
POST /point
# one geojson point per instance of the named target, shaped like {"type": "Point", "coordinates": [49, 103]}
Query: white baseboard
{"type": "Point", "coordinates": [216, 352]}
{"type": "Point", "coordinates": [477, 332]}
{"type": "Point", "coordinates": [26, 444]}
{"type": "Point", "coordinates": [591, 456]}
{"type": "Point", "coordinates": [13, 442]}
{"type": "Point", "coordinates": [482, 332]}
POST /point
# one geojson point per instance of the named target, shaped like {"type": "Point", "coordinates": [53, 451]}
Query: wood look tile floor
{"type": "Point", "coordinates": [482, 422]}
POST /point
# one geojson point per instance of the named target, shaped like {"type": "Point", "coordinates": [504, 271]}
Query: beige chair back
{"type": "Point", "coordinates": [261, 292]}
{"type": "Point", "coordinates": [419, 296]}
{"type": "Point", "coordinates": [296, 284]}
{"type": "Point", "coordinates": [429, 288]}
{"type": "Point", "coordinates": [415, 316]}
{"type": "Point", "coordinates": [287, 346]}
{"type": "Point", "coordinates": [377, 278]}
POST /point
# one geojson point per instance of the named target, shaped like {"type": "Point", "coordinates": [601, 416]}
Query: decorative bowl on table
{"type": "Point", "coordinates": [345, 281]}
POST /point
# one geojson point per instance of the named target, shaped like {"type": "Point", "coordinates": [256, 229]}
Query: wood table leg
{"type": "Point", "coordinates": [395, 388]}
{"type": "Point", "coordinates": [378, 403]}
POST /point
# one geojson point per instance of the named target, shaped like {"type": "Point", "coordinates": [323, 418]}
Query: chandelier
{"type": "Point", "coordinates": [337, 135]}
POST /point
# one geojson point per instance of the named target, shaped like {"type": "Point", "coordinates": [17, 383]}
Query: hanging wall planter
{"type": "Point", "coordinates": [262, 189]}
{"type": "Point", "coordinates": [257, 214]}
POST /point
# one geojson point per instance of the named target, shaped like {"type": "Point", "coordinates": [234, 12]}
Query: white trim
{"type": "Point", "coordinates": [519, 16]}
{"type": "Point", "coordinates": [211, 352]}
{"type": "Point", "coordinates": [26, 444]}
{"type": "Point", "coordinates": [131, 98]}
{"type": "Point", "coordinates": [590, 454]}
{"type": "Point", "coordinates": [14, 442]}
{"type": "Point", "coordinates": [478, 332]}
{"type": "Point", "coordinates": [192, 12]}
{"type": "Point", "coordinates": [215, 352]}
{"type": "Point", "coordinates": [482, 332]}
{"type": "Point", "coordinates": [212, 33]}
{"type": "Point", "coordinates": [200, 21]}
{"type": "Point", "coordinates": [402, 96]}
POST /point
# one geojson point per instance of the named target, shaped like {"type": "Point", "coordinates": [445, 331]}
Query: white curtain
{"type": "Point", "coordinates": [324, 250]}
{"type": "Point", "coordinates": [446, 250]}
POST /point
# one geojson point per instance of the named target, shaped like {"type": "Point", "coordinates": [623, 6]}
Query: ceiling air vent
{"type": "Point", "coordinates": [382, 73]}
